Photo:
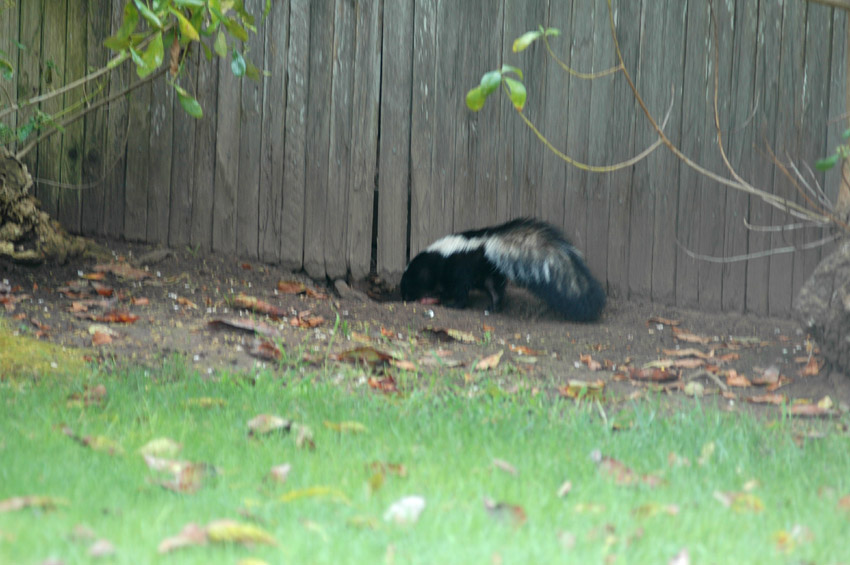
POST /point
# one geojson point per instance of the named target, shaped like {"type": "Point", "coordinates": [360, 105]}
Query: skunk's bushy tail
{"type": "Point", "coordinates": [536, 255]}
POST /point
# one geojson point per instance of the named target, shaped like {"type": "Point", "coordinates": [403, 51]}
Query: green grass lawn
{"type": "Point", "coordinates": [790, 509]}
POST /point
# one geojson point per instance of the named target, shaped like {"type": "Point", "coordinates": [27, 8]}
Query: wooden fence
{"type": "Point", "coordinates": [357, 149]}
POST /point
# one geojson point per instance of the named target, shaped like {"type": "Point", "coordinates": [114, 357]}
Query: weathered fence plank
{"type": "Point", "coordinates": [73, 138]}
{"type": "Point", "coordinates": [837, 99]}
{"type": "Point", "coordinates": [161, 152]}
{"type": "Point", "coordinates": [339, 156]}
{"type": "Point", "coordinates": [738, 139]}
{"type": "Point", "coordinates": [318, 135]}
{"type": "Point", "coordinates": [29, 70]}
{"type": "Point", "coordinates": [228, 135]}
{"type": "Point", "coordinates": [183, 161]}
{"type": "Point", "coordinates": [204, 169]}
{"type": "Point", "coordinates": [137, 182]}
{"type": "Point", "coordinates": [52, 77]}
{"type": "Point", "coordinates": [250, 147]}
{"type": "Point", "coordinates": [664, 251]}
{"type": "Point", "coordinates": [423, 122]}
{"type": "Point", "coordinates": [394, 171]}
{"type": "Point", "coordinates": [272, 148]}
{"type": "Point", "coordinates": [8, 36]}
{"type": "Point", "coordinates": [117, 132]}
{"type": "Point", "coordinates": [94, 168]}
{"type": "Point", "coordinates": [364, 137]}
{"type": "Point", "coordinates": [292, 240]}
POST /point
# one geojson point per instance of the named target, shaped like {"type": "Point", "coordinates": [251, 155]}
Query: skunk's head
{"type": "Point", "coordinates": [420, 278]}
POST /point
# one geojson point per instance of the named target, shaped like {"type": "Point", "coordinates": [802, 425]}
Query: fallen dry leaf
{"type": "Point", "coordinates": [343, 427]}
{"type": "Point", "coordinates": [736, 380]}
{"type": "Point", "coordinates": [590, 362]}
{"type": "Point", "coordinates": [161, 447]}
{"type": "Point", "coordinates": [504, 511]}
{"type": "Point", "coordinates": [740, 501]}
{"type": "Point", "coordinates": [812, 368]}
{"type": "Point", "coordinates": [101, 548]}
{"type": "Point", "coordinates": [259, 306]}
{"type": "Point", "coordinates": [448, 334]}
{"type": "Point", "coordinates": [620, 472]}
{"type": "Point", "coordinates": [583, 389]}
{"type": "Point", "coordinates": [505, 466]}
{"type": "Point", "coordinates": [489, 362]}
{"type": "Point", "coordinates": [31, 501]}
{"type": "Point", "coordinates": [231, 531]}
{"type": "Point", "coordinates": [265, 349]}
{"type": "Point", "coordinates": [366, 355]}
{"type": "Point", "coordinates": [192, 534]}
{"type": "Point", "coordinates": [100, 338]}
{"type": "Point", "coordinates": [684, 335]}
{"type": "Point", "coordinates": [768, 399]}
{"type": "Point", "coordinates": [811, 411]}
{"type": "Point", "coordinates": [664, 321]}
{"type": "Point", "coordinates": [291, 287]}
{"type": "Point", "coordinates": [123, 270]}
{"type": "Point", "coordinates": [265, 424]}
{"type": "Point", "coordinates": [279, 473]}
{"type": "Point", "coordinates": [652, 375]}
{"type": "Point", "coordinates": [385, 384]}
{"type": "Point", "coordinates": [565, 489]}
{"type": "Point", "coordinates": [306, 320]}
{"type": "Point", "coordinates": [246, 325]}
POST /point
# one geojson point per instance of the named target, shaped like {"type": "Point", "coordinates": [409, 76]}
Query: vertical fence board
{"type": "Point", "coordinates": [664, 251]}
{"type": "Point", "coordinates": [250, 146]}
{"type": "Point", "coordinates": [423, 122]}
{"type": "Point", "coordinates": [394, 163]}
{"type": "Point", "coordinates": [52, 77]}
{"type": "Point", "coordinates": [619, 147]}
{"type": "Point", "coordinates": [29, 71]}
{"type": "Point", "coordinates": [94, 168]}
{"type": "Point", "coordinates": [339, 155]}
{"type": "Point", "coordinates": [272, 149]}
{"type": "Point", "coordinates": [522, 154]}
{"type": "Point", "coordinates": [204, 168]}
{"type": "Point", "coordinates": [318, 135]}
{"type": "Point", "coordinates": [578, 48]}
{"type": "Point", "coordinates": [364, 137]}
{"type": "Point", "coordinates": [228, 135]}
{"type": "Point", "coordinates": [183, 162]}
{"type": "Point", "coordinates": [117, 132]}
{"type": "Point", "coordinates": [73, 138]}
{"type": "Point", "coordinates": [767, 76]}
{"type": "Point", "coordinates": [694, 139]}
{"type": "Point", "coordinates": [791, 79]}
{"type": "Point", "coordinates": [601, 127]}
{"type": "Point", "coordinates": [138, 164]}
{"type": "Point", "coordinates": [9, 13]}
{"type": "Point", "coordinates": [647, 179]}
{"type": "Point", "coordinates": [838, 77]}
{"type": "Point", "coordinates": [558, 108]}
{"type": "Point", "coordinates": [711, 220]}
{"type": "Point", "coordinates": [161, 151]}
{"type": "Point", "coordinates": [739, 137]}
{"type": "Point", "coordinates": [813, 128]}
{"type": "Point", "coordinates": [292, 241]}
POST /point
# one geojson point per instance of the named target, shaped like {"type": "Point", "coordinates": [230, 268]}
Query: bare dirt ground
{"type": "Point", "coordinates": [182, 293]}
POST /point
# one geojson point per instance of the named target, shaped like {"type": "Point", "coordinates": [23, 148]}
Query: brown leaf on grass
{"type": "Point", "coordinates": [186, 303]}
{"type": "Point", "coordinates": [366, 355]}
{"type": "Point", "coordinates": [140, 301]}
{"type": "Point", "coordinates": [583, 389]}
{"type": "Point", "coordinates": [686, 336]}
{"type": "Point", "coordinates": [96, 443]}
{"type": "Point", "coordinates": [94, 276]}
{"type": "Point", "coordinates": [688, 363]}
{"type": "Point", "coordinates": [449, 334]}
{"type": "Point", "coordinates": [736, 380]}
{"type": "Point", "coordinates": [620, 472]}
{"type": "Point", "coordinates": [651, 509]}
{"type": "Point", "coordinates": [110, 317]}
{"type": "Point", "coordinates": [740, 501]}
{"type": "Point", "coordinates": [304, 437]}
{"type": "Point", "coordinates": [191, 535]}
{"type": "Point", "coordinates": [505, 511]}
{"type": "Point", "coordinates": [768, 376]}
{"type": "Point", "coordinates": [265, 424]}
{"type": "Point", "coordinates": [280, 473]}
{"type": "Point", "coordinates": [660, 320]}
{"type": "Point", "coordinates": [503, 465]}
{"type": "Point", "coordinates": [768, 399]}
{"type": "Point", "coordinates": [652, 375]}
{"type": "Point", "coordinates": [101, 548]}
{"type": "Point", "coordinates": [688, 352]}
{"type": "Point", "coordinates": [590, 362]}
{"type": "Point", "coordinates": [122, 270]}
{"type": "Point", "coordinates": [385, 384]}
{"type": "Point", "coordinates": [811, 411]}
{"type": "Point", "coordinates": [161, 447]}
{"type": "Point", "coordinates": [844, 503]}
{"type": "Point", "coordinates": [102, 289]}
{"type": "Point", "coordinates": [254, 304]}
{"type": "Point", "coordinates": [388, 468]}
{"type": "Point", "coordinates": [681, 558]}
{"type": "Point", "coordinates": [187, 478]}
{"type": "Point", "coordinates": [306, 320]}
{"type": "Point", "coordinates": [403, 365]}
{"type": "Point", "coordinates": [246, 325]}
{"type": "Point", "coordinates": [89, 396]}
{"type": "Point", "coordinates": [490, 362]}
{"type": "Point", "coordinates": [523, 350]}
{"type": "Point", "coordinates": [31, 501]}
{"type": "Point", "coordinates": [565, 489]}
{"type": "Point", "coordinates": [812, 368]}
{"type": "Point", "coordinates": [101, 338]}
{"type": "Point", "coordinates": [265, 349]}
{"type": "Point", "coordinates": [291, 287]}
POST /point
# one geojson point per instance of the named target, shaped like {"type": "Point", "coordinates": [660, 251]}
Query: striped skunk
{"type": "Point", "coordinates": [528, 252]}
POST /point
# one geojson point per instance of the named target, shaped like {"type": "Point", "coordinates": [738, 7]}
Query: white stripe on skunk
{"type": "Point", "coordinates": [528, 252]}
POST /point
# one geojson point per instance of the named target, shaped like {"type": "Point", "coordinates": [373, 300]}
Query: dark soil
{"type": "Point", "coordinates": [186, 292]}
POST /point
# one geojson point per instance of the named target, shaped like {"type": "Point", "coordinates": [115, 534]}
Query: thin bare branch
{"type": "Point", "coordinates": [578, 74]}
{"type": "Point", "coordinates": [158, 73]}
{"type": "Point", "coordinates": [784, 227]}
{"type": "Point", "coordinates": [597, 168]}
{"type": "Point", "coordinates": [760, 254]}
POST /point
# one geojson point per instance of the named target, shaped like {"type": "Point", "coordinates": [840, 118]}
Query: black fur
{"type": "Point", "coordinates": [528, 252]}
